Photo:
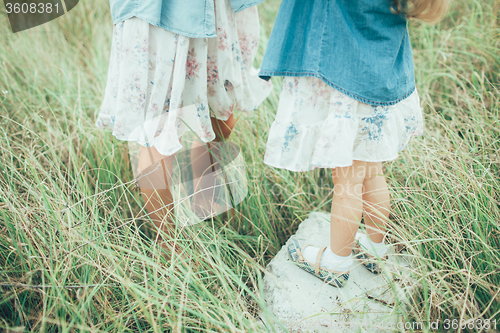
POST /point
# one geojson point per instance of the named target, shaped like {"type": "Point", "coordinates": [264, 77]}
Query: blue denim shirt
{"type": "Point", "coordinates": [358, 47]}
{"type": "Point", "coordinates": [191, 18]}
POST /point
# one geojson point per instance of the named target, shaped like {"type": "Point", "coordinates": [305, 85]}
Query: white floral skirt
{"type": "Point", "coordinates": [317, 126]}
{"type": "Point", "coordinates": [161, 84]}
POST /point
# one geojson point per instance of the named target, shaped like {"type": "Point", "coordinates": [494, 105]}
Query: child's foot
{"type": "Point", "coordinates": [329, 260]}
{"type": "Point", "coordinates": [322, 263]}
{"type": "Point", "coordinates": [370, 253]}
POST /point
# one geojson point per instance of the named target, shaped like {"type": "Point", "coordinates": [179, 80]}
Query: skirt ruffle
{"type": "Point", "coordinates": [161, 85]}
{"type": "Point", "coordinates": [316, 126]}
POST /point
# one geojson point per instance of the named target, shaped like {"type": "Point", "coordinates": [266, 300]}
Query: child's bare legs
{"type": "Point", "coordinates": [347, 207]}
{"type": "Point", "coordinates": [156, 193]}
{"type": "Point", "coordinates": [376, 202]}
{"type": "Point", "coordinates": [357, 187]}
{"type": "Point", "coordinates": [204, 163]}
{"type": "Point", "coordinates": [155, 187]}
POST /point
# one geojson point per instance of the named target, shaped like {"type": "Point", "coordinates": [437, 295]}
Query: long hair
{"type": "Point", "coordinates": [430, 11]}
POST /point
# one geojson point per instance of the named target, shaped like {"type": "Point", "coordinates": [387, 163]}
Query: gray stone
{"type": "Point", "coordinates": [303, 303]}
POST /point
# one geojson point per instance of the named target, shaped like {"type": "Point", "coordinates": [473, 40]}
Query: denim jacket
{"type": "Point", "coordinates": [191, 18]}
{"type": "Point", "coordinates": [358, 47]}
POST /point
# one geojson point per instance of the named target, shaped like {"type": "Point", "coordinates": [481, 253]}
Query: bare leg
{"type": "Point", "coordinates": [156, 193]}
{"type": "Point", "coordinates": [376, 202]}
{"type": "Point", "coordinates": [204, 163]}
{"type": "Point", "coordinates": [223, 128]}
{"type": "Point", "coordinates": [347, 207]}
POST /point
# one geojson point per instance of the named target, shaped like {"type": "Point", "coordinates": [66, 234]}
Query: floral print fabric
{"type": "Point", "coordinates": [161, 84]}
{"type": "Point", "coordinates": [316, 126]}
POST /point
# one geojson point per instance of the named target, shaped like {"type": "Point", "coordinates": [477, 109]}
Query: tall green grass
{"type": "Point", "coordinates": [77, 253]}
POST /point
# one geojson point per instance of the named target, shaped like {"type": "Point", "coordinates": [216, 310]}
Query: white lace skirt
{"type": "Point", "coordinates": [317, 126]}
{"type": "Point", "coordinates": [161, 85]}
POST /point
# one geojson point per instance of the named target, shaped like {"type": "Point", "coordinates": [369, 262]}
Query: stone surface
{"type": "Point", "coordinates": [303, 303]}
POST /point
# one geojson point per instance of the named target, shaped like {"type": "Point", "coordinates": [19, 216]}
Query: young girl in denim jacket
{"type": "Point", "coordinates": [348, 102]}
{"type": "Point", "coordinates": [178, 66]}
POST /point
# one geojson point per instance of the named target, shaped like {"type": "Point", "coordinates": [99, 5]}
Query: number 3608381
{"type": "Point", "coordinates": [473, 324]}
{"type": "Point", "coordinates": [31, 8]}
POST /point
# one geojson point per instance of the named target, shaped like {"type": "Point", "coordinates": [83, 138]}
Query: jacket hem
{"type": "Point", "coordinates": [248, 5]}
{"type": "Point", "coordinates": [153, 23]}
{"type": "Point", "coordinates": [265, 75]}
